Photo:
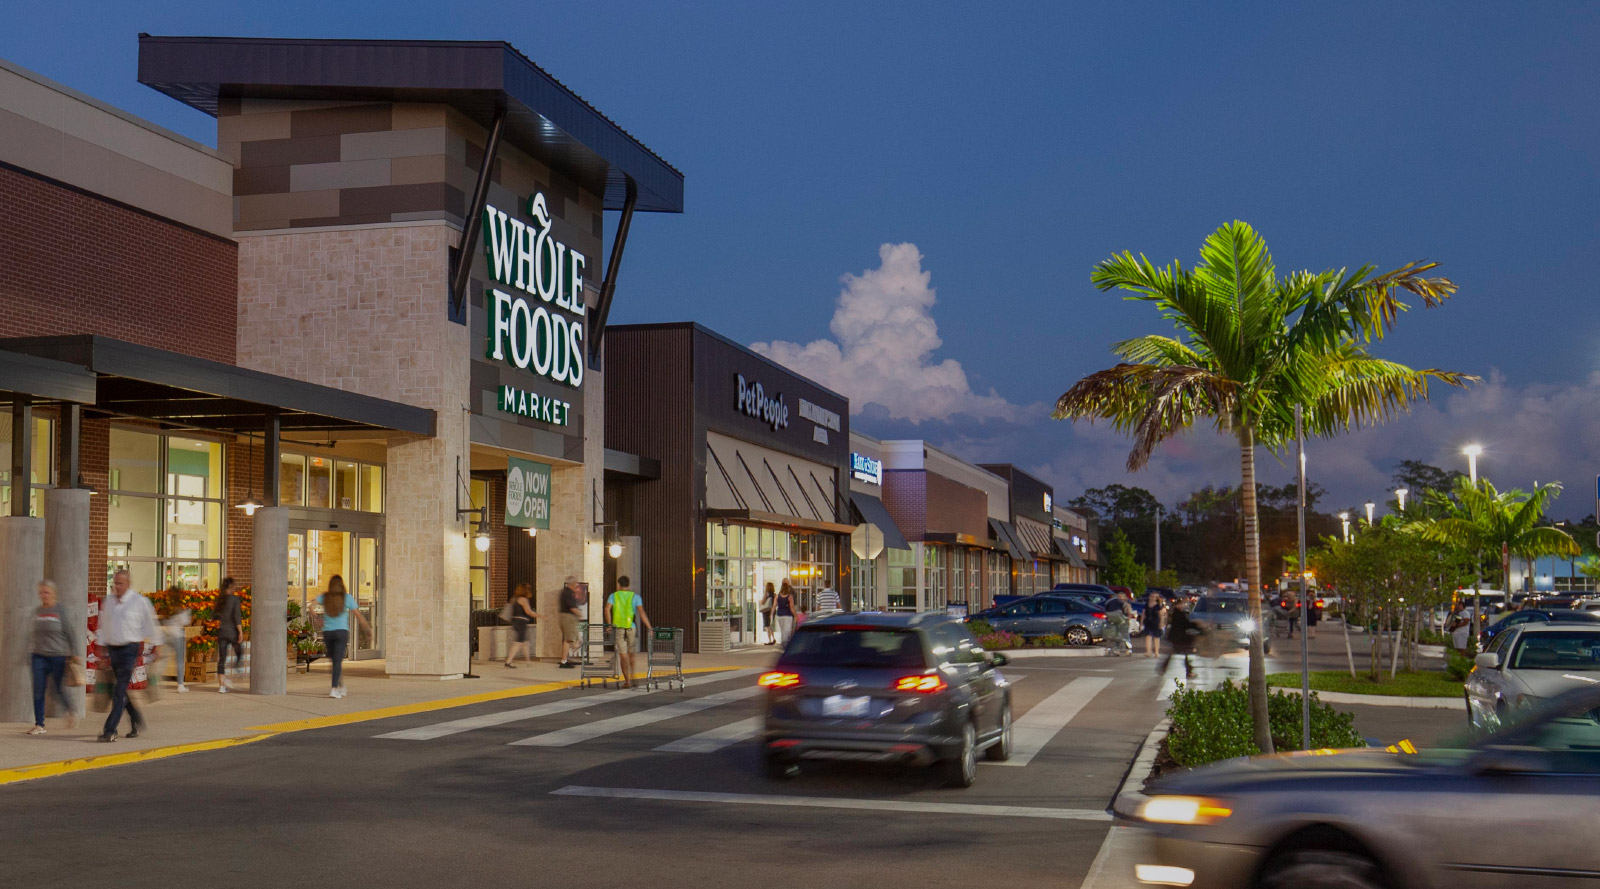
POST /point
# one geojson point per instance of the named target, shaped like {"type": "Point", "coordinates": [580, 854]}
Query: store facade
{"type": "Point", "coordinates": [1037, 564]}
{"type": "Point", "coordinates": [877, 539]}
{"type": "Point", "coordinates": [749, 482]}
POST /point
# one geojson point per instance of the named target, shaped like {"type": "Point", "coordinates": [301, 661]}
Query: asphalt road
{"type": "Point", "coordinates": [590, 800]}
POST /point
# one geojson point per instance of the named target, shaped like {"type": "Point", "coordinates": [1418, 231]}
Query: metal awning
{"type": "Point", "coordinates": [776, 520]}
{"type": "Point", "coordinates": [872, 512]}
{"type": "Point", "coordinates": [1037, 540]}
{"type": "Point", "coordinates": [477, 78]}
{"type": "Point", "coordinates": [156, 384]}
{"type": "Point", "coordinates": [1007, 535]}
{"type": "Point", "coordinates": [1068, 552]}
{"type": "Point", "coordinates": [44, 380]}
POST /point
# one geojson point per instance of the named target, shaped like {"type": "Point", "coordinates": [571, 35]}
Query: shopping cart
{"type": "Point", "coordinates": [664, 661]}
{"type": "Point", "coordinates": [599, 656]}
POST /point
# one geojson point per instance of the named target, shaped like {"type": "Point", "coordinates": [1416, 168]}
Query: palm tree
{"type": "Point", "coordinates": [1251, 347]}
{"type": "Point", "coordinates": [1479, 518]}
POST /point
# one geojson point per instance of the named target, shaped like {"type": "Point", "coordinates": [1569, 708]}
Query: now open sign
{"type": "Point", "coordinates": [527, 494]}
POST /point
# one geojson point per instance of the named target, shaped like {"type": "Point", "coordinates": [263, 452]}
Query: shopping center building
{"type": "Point", "coordinates": [376, 310]}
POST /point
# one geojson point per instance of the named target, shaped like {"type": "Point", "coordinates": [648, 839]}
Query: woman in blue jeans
{"type": "Point", "coordinates": [52, 647]}
{"type": "Point", "coordinates": [336, 612]}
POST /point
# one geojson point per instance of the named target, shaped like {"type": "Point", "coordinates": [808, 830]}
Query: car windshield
{"type": "Point", "coordinates": [1220, 605]}
{"type": "Point", "coordinates": [1575, 650]}
{"type": "Point", "coordinates": [854, 647]}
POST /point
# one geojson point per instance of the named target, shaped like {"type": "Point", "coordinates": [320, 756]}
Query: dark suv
{"type": "Point", "coordinates": [891, 688]}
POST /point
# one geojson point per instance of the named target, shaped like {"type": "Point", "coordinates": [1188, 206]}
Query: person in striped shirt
{"type": "Point", "coordinates": [827, 601]}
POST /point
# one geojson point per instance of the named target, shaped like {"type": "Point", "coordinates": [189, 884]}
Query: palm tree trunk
{"type": "Point", "coordinates": [1257, 683]}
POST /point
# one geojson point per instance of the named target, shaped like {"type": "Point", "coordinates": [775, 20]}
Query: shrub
{"type": "Point", "coordinates": [1050, 642]}
{"type": "Point", "coordinates": [1457, 665]}
{"type": "Point", "coordinates": [980, 627]}
{"type": "Point", "coordinates": [1213, 725]}
{"type": "Point", "coordinates": [1000, 641]}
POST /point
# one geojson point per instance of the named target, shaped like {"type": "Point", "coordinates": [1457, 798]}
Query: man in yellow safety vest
{"type": "Point", "coordinates": [622, 607]}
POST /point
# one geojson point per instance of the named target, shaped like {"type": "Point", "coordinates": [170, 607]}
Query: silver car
{"type": "Point", "coordinates": [1516, 809]}
{"type": "Point", "coordinates": [1527, 664]}
{"type": "Point", "coordinates": [1230, 617]}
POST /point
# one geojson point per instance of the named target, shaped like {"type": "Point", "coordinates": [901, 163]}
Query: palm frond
{"type": "Point", "coordinates": [1158, 350]}
{"type": "Point", "coordinates": [1151, 402]}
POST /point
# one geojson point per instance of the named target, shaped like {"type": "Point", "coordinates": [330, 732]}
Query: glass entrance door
{"type": "Point", "coordinates": [316, 555]}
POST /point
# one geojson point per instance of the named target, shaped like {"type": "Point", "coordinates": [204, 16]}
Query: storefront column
{"type": "Point", "coordinates": [66, 562]}
{"type": "Point", "coordinates": [917, 550]}
{"type": "Point", "coordinates": [562, 553]}
{"type": "Point", "coordinates": [21, 569]}
{"type": "Point", "coordinates": [269, 602]}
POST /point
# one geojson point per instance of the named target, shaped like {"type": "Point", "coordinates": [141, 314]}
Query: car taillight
{"type": "Point", "coordinates": [923, 684]}
{"type": "Point", "coordinates": [778, 680]}
{"type": "Point", "coordinates": [1099, 615]}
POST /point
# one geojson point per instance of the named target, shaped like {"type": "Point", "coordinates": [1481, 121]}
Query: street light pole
{"type": "Point", "coordinates": [1305, 602]}
{"type": "Point", "coordinates": [1472, 451]}
{"type": "Point", "coordinates": [1370, 507]}
{"type": "Point", "coordinates": [1400, 494]}
{"type": "Point", "coordinates": [1158, 538]}
{"type": "Point", "coordinates": [1344, 520]}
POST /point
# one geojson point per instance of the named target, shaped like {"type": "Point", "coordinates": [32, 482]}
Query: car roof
{"type": "Point", "coordinates": [885, 619]}
{"type": "Point", "coordinates": [1557, 626]}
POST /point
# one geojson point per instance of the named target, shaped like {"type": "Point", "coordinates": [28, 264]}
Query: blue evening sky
{"type": "Point", "coordinates": [1017, 144]}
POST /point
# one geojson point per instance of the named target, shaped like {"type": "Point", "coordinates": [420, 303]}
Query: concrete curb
{"type": "Point", "coordinates": [1130, 794]}
{"type": "Point", "coordinates": [1340, 697]}
{"type": "Point", "coordinates": [1014, 653]}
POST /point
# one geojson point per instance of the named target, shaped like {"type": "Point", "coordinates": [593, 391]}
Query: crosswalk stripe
{"type": "Point", "coordinates": [565, 705]}
{"type": "Point", "coordinates": [715, 739]}
{"type": "Point", "coordinates": [599, 728]}
{"type": "Point", "coordinates": [1034, 729]}
{"type": "Point", "coordinates": [828, 802]}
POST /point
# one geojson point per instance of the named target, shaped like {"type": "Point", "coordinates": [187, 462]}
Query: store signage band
{"type": "Point", "coordinates": [753, 401]}
{"type": "Point", "coordinates": [544, 335]}
{"type": "Point", "coordinates": [866, 469]}
{"type": "Point", "coordinates": [527, 494]}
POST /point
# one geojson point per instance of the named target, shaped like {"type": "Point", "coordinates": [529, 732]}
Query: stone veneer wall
{"type": "Point", "coordinates": [363, 309]}
{"type": "Point", "coordinates": [574, 548]}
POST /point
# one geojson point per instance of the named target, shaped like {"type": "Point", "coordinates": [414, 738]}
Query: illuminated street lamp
{"type": "Point", "coordinates": [1344, 519]}
{"type": "Point", "coordinates": [1400, 494]}
{"type": "Point", "coordinates": [1472, 451]}
{"type": "Point", "coordinates": [1370, 507]}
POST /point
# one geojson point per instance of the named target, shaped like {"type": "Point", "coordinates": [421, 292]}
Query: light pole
{"type": "Point", "coordinates": [1370, 507]}
{"type": "Point", "coordinates": [1305, 603]}
{"type": "Point", "coordinates": [1344, 520]}
{"type": "Point", "coordinates": [1400, 494]}
{"type": "Point", "coordinates": [1158, 538]}
{"type": "Point", "coordinates": [1472, 451]}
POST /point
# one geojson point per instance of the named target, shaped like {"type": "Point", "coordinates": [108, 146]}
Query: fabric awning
{"type": "Point", "coordinates": [1036, 540]}
{"type": "Point", "coordinates": [871, 511]}
{"type": "Point", "coordinates": [1066, 550]}
{"type": "Point", "coordinates": [1007, 535]}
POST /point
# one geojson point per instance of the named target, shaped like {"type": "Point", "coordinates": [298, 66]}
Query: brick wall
{"type": "Point", "coordinates": [94, 459]}
{"type": "Point", "coordinates": [244, 469]}
{"type": "Point", "coordinates": [71, 263]}
{"type": "Point", "coordinates": [905, 495]}
{"type": "Point", "coordinates": [954, 507]}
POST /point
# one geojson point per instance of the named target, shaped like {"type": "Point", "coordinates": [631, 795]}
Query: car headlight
{"type": "Point", "coordinates": [1182, 810]}
{"type": "Point", "coordinates": [1247, 626]}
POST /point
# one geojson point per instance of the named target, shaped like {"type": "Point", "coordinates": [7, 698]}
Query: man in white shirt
{"type": "Point", "coordinates": [127, 622]}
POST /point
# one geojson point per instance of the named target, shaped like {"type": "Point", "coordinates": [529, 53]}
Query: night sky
{"type": "Point", "coordinates": [905, 200]}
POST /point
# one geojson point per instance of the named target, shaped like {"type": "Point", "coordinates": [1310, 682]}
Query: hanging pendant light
{"type": "Point", "coordinates": [250, 504]}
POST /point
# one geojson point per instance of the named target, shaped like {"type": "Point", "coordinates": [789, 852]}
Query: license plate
{"type": "Point", "coordinates": [840, 705]}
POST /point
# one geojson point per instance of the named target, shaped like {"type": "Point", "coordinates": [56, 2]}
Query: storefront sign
{"type": "Point", "coordinates": [755, 402]}
{"type": "Point", "coordinates": [819, 415]}
{"type": "Point", "coordinates": [866, 469]}
{"type": "Point", "coordinates": [523, 333]}
{"type": "Point", "coordinates": [534, 406]}
{"type": "Point", "coordinates": [1047, 503]}
{"type": "Point", "coordinates": [527, 494]}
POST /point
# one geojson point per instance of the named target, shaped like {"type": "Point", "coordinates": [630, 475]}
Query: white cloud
{"type": "Point", "coordinates": [883, 348]}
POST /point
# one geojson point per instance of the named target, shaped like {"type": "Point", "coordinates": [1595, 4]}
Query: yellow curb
{"type": "Point", "coordinates": [66, 766]}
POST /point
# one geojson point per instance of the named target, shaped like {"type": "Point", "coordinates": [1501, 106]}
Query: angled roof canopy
{"type": "Point", "coordinates": [543, 117]}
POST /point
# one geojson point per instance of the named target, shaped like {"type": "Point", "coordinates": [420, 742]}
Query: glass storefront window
{"type": "Point", "coordinates": [902, 580]}
{"type": "Point", "coordinates": [292, 480]}
{"type": "Point", "coordinates": [135, 461]}
{"type": "Point", "coordinates": [133, 526]}
{"type": "Point", "coordinates": [766, 543]}
{"type": "Point", "coordinates": [371, 488]}
{"type": "Point", "coordinates": [40, 476]}
{"type": "Point", "coordinates": [479, 561]}
{"type": "Point", "coordinates": [863, 583]}
{"type": "Point", "coordinates": [780, 545]}
{"type": "Point", "coordinates": [319, 482]}
{"type": "Point", "coordinates": [169, 532]}
{"type": "Point", "coordinates": [717, 540]}
{"type": "Point", "coordinates": [345, 493]}
{"type": "Point", "coordinates": [752, 542]}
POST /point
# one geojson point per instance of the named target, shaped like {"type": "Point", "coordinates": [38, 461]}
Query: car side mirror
{"type": "Point", "coordinates": [1508, 760]}
{"type": "Point", "coordinates": [1489, 660]}
{"type": "Point", "coordinates": [996, 659]}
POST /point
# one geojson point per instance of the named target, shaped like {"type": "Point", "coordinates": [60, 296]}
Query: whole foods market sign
{"type": "Point", "coordinates": [527, 494]}
{"type": "Point", "coordinates": [538, 324]}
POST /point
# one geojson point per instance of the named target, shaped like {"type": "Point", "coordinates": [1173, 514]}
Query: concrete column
{"type": "Point", "coordinates": [269, 602]}
{"type": "Point", "coordinates": [21, 569]}
{"type": "Point", "coordinates": [561, 553]}
{"type": "Point", "coordinates": [66, 561]}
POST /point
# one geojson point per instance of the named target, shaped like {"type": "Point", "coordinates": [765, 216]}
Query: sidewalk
{"type": "Point", "coordinates": [205, 719]}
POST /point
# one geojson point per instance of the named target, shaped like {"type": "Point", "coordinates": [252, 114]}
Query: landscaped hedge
{"type": "Point", "coordinates": [1214, 724]}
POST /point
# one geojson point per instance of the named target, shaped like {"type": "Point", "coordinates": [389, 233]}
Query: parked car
{"type": "Point", "coordinates": [1367, 819]}
{"type": "Point", "coordinates": [1230, 615]}
{"type": "Point", "coordinates": [1099, 588]}
{"type": "Point", "coordinates": [1535, 616]}
{"type": "Point", "coordinates": [890, 688]}
{"type": "Point", "coordinates": [1528, 664]}
{"type": "Point", "coordinates": [1049, 614]}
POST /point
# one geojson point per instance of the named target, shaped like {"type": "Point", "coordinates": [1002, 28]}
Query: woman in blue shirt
{"type": "Point", "coordinates": [336, 612]}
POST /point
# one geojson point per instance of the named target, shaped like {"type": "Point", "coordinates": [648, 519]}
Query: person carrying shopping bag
{"type": "Point", "coordinates": [336, 615]}
{"type": "Point", "coordinates": [53, 649]}
{"type": "Point", "coordinates": [228, 611]}
{"type": "Point", "coordinates": [786, 610]}
{"type": "Point", "coordinates": [127, 622]}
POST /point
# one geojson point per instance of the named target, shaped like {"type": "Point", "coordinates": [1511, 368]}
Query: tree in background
{"type": "Point", "coordinates": [1122, 567]}
{"type": "Point", "coordinates": [1486, 521]}
{"type": "Point", "coordinates": [1251, 347]}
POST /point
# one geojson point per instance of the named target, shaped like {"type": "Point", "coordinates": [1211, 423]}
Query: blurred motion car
{"type": "Point", "coordinates": [913, 689]}
{"type": "Point", "coordinates": [1515, 809]}
{"type": "Point", "coordinates": [1229, 616]}
{"type": "Point", "coordinates": [1529, 663]}
{"type": "Point", "coordinates": [1049, 614]}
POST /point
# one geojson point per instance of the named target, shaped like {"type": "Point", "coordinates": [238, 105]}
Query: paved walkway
{"type": "Point", "coordinates": [203, 718]}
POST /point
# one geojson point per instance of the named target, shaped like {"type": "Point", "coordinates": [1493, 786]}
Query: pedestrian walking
{"type": "Point", "coordinates": [54, 645]}
{"type": "Point", "coordinates": [1291, 608]}
{"type": "Point", "coordinates": [172, 624]}
{"type": "Point", "coordinates": [336, 614]}
{"type": "Point", "coordinates": [1119, 626]}
{"type": "Point", "coordinates": [785, 609]}
{"type": "Point", "coordinates": [571, 617]}
{"type": "Point", "coordinates": [769, 612]}
{"type": "Point", "coordinates": [623, 607]}
{"type": "Point", "coordinates": [127, 622]}
{"type": "Point", "coordinates": [1181, 632]}
{"type": "Point", "coordinates": [228, 611]}
{"type": "Point", "coordinates": [1313, 617]}
{"type": "Point", "coordinates": [1155, 622]}
{"type": "Point", "coordinates": [827, 601]}
{"type": "Point", "coordinates": [523, 616]}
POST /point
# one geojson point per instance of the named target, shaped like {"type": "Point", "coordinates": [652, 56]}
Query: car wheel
{"type": "Point", "coordinates": [1000, 751]}
{"type": "Point", "coordinates": [1321, 869]}
{"type": "Point", "coordinates": [1078, 636]}
{"type": "Point", "coordinates": [962, 770]}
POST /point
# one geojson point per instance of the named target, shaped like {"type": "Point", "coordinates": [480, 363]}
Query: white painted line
{"type": "Point", "coordinates": [565, 705]}
{"type": "Point", "coordinates": [824, 802]}
{"type": "Point", "coordinates": [715, 739]}
{"type": "Point", "coordinates": [590, 730]}
{"type": "Point", "coordinates": [1171, 678]}
{"type": "Point", "coordinates": [1122, 845]}
{"type": "Point", "coordinates": [1038, 726]}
